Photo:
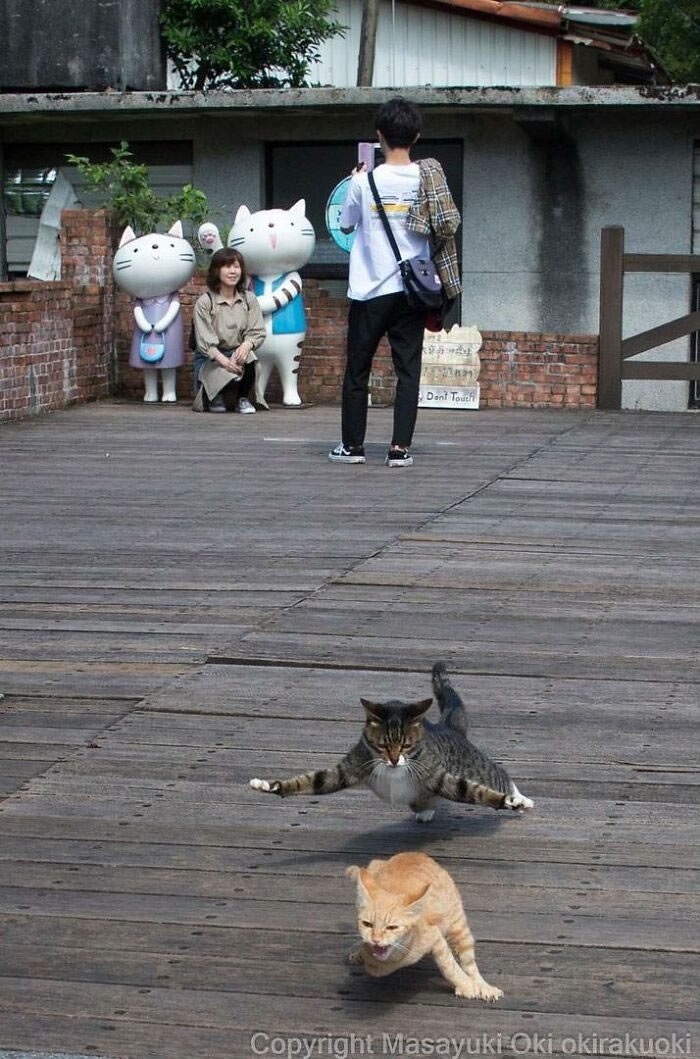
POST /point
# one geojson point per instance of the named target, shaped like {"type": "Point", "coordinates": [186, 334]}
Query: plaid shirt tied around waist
{"type": "Point", "coordinates": [435, 215]}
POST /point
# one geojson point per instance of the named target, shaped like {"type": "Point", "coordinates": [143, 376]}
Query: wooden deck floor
{"type": "Point", "coordinates": [186, 601]}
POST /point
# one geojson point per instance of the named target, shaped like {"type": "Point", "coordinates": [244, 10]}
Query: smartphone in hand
{"type": "Point", "coordinates": [367, 153]}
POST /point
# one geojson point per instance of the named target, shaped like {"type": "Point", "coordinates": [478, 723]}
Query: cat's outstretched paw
{"type": "Point", "coordinates": [267, 786]}
{"type": "Point", "coordinates": [425, 815]}
{"type": "Point", "coordinates": [355, 955]}
{"type": "Point", "coordinates": [516, 800]}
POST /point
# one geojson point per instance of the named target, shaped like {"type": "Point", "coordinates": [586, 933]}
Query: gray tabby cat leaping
{"type": "Point", "coordinates": [408, 761]}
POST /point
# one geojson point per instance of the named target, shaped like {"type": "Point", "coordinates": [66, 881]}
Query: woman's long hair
{"type": "Point", "coordinates": [218, 260]}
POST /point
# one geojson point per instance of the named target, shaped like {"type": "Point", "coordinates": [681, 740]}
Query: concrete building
{"type": "Point", "coordinates": [538, 170]}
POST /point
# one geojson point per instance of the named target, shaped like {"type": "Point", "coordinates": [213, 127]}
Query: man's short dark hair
{"type": "Point", "coordinates": [399, 122]}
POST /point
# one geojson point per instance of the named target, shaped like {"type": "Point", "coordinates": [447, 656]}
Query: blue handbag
{"type": "Point", "coordinates": [152, 348]}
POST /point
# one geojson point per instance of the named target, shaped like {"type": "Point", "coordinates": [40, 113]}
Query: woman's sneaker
{"type": "Point", "coordinates": [398, 458]}
{"type": "Point", "coordinates": [354, 454]}
{"type": "Point", "coordinates": [244, 406]}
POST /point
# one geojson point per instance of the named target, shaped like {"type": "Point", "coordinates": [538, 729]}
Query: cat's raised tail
{"type": "Point", "coordinates": [454, 714]}
{"type": "Point", "coordinates": [450, 704]}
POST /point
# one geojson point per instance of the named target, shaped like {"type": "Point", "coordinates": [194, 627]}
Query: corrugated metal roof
{"type": "Point", "coordinates": [612, 32]}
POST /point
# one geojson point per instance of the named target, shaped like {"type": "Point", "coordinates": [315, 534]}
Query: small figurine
{"type": "Point", "coordinates": [152, 268]}
{"type": "Point", "coordinates": [209, 239]}
{"type": "Point", "coordinates": [275, 243]}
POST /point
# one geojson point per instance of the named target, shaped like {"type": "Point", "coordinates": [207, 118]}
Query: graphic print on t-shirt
{"type": "Point", "coordinates": [373, 268]}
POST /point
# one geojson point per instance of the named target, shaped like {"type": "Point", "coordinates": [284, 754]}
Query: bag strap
{"type": "Point", "coordinates": [385, 220]}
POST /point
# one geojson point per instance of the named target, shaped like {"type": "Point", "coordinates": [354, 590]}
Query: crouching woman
{"type": "Point", "coordinates": [228, 327]}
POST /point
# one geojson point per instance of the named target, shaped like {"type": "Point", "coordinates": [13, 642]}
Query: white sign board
{"type": "Point", "coordinates": [448, 396]}
{"type": "Point", "coordinates": [450, 369]}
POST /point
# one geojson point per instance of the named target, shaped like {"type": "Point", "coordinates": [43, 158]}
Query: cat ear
{"type": "Point", "coordinates": [416, 710]}
{"type": "Point", "coordinates": [176, 230]}
{"type": "Point", "coordinates": [352, 872]}
{"type": "Point", "coordinates": [298, 209]}
{"type": "Point", "coordinates": [374, 709]}
{"type": "Point", "coordinates": [127, 235]}
{"type": "Point", "coordinates": [242, 213]}
{"type": "Point", "coordinates": [414, 902]}
{"type": "Point", "coordinates": [366, 885]}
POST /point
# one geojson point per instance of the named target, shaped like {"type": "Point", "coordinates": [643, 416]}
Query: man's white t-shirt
{"type": "Point", "coordinates": [373, 267]}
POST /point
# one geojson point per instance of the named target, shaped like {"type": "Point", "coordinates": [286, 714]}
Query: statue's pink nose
{"type": "Point", "coordinates": [272, 236]}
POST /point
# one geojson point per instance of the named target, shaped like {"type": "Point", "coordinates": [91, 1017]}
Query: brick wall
{"type": "Point", "coordinates": [518, 369]}
{"type": "Point", "coordinates": [525, 370]}
{"type": "Point", "coordinates": [56, 338]}
{"type": "Point", "coordinates": [69, 341]}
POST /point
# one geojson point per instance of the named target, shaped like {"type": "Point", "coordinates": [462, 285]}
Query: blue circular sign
{"type": "Point", "coordinates": [334, 208]}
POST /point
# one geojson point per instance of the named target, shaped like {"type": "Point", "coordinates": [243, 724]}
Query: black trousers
{"type": "Point", "coordinates": [242, 387]}
{"type": "Point", "coordinates": [368, 322]}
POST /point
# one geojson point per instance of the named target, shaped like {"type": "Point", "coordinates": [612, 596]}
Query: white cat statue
{"type": "Point", "coordinates": [274, 244]}
{"type": "Point", "coordinates": [152, 268]}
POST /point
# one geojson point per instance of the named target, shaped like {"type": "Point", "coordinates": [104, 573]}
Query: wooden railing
{"type": "Point", "coordinates": [614, 365]}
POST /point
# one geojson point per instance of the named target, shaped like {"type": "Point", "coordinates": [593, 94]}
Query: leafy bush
{"type": "Point", "coordinates": [122, 185]}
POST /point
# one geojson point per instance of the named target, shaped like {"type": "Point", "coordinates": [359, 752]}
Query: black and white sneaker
{"type": "Point", "coordinates": [398, 458]}
{"type": "Point", "coordinates": [341, 454]}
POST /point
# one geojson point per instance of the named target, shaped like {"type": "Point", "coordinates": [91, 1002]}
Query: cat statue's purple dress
{"type": "Point", "coordinates": [152, 268]}
{"type": "Point", "coordinates": [154, 309]}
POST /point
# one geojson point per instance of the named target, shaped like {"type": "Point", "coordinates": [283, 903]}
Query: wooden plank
{"type": "Point", "coordinates": [292, 890]}
{"type": "Point", "coordinates": [659, 336]}
{"type": "Point", "coordinates": [650, 369]}
{"type": "Point", "coordinates": [213, 1009]}
{"type": "Point", "coordinates": [612, 258]}
{"type": "Point", "coordinates": [281, 649]}
{"type": "Point", "coordinates": [661, 263]}
{"type": "Point", "coordinates": [630, 780]}
{"type": "Point", "coordinates": [68, 679]}
{"type": "Point", "coordinates": [215, 946]}
{"type": "Point", "coordinates": [69, 855]}
{"type": "Point", "coordinates": [350, 842]}
{"type": "Point", "coordinates": [526, 987]}
{"type": "Point", "coordinates": [564, 540]}
{"type": "Point", "coordinates": [338, 833]}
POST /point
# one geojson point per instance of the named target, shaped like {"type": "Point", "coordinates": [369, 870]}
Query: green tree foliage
{"type": "Point", "coordinates": [122, 185]}
{"type": "Point", "coordinates": [245, 43]}
{"type": "Point", "coordinates": [672, 29]}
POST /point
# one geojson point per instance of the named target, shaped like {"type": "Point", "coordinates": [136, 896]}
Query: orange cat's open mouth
{"type": "Point", "coordinates": [380, 952]}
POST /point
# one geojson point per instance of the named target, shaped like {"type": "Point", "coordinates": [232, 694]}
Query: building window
{"type": "Point", "coordinates": [30, 169]}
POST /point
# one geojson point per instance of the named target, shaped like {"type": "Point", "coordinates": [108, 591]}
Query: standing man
{"type": "Point", "coordinates": [378, 304]}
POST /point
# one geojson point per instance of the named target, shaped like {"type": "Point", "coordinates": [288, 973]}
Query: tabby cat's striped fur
{"type": "Point", "coordinates": [406, 760]}
{"type": "Point", "coordinates": [409, 906]}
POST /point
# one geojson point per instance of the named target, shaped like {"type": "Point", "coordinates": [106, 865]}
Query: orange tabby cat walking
{"type": "Point", "coordinates": [408, 906]}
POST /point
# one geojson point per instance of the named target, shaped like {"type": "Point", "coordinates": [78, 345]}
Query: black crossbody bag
{"type": "Point", "coordinates": [420, 277]}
